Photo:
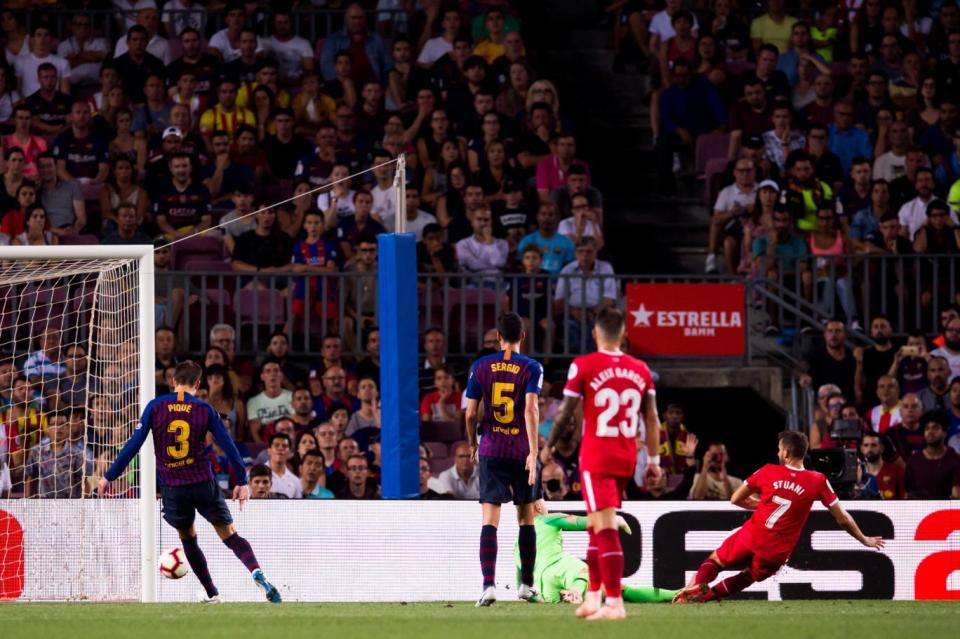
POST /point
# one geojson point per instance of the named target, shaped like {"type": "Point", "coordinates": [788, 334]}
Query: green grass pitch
{"type": "Point", "coordinates": [838, 619]}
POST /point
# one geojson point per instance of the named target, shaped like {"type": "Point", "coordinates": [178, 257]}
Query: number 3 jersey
{"type": "Point", "coordinates": [786, 496]}
{"type": "Point", "coordinates": [612, 385]}
{"type": "Point", "coordinates": [501, 381]}
{"type": "Point", "coordinates": [179, 423]}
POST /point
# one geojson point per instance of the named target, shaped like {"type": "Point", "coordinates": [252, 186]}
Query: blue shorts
{"type": "Point", "coordinates": [181, 503]}
{"type": "Point", "coordinates": [503, 480]}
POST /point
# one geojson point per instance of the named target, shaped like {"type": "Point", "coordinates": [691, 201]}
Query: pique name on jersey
{"type": "Point", "coordinates": [623, 373]}
{"type": "Point", "coordinates": [792, 486]}
{"type": "Point", "coordinates": [179, 408]}
{"type": "Point", "coordinates": [505, 367]}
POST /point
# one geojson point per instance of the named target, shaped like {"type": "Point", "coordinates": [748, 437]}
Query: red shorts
{"type": "Point", "coordinates": [739, 551]}
{"type": "Point", "coordinates": [602, 491]}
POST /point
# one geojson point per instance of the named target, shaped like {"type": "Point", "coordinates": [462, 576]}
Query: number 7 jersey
{"type": "Point", "coordinates": [612, 386]}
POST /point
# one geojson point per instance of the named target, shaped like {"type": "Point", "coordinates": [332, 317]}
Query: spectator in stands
{"type": "Point", "coordinates": [750, 116]}
{"type": "Point", "coordinates": [159, 47]}
{"type": "Point", "coordinates": [426, 479]}
{"type": "Point", "coordinates": [303, 417]}
{"type": "Point", "coordinates": [165, 351]}
{"type": "Point", "coordinates": [832, 277]}
{"type": "Point", "coordinates": [820, 109]}
{"type": "Point", "coordinates": [557, 250]}
{"type": "Point", "coordinates": [553, 482]}
{"type": "Point", "coordinates": [825, 162]}
{"type": "Point", "coordinates": [278, 347]}
{"type": "Point", "coordinates": [55, 468]}
{"type": "Point", "coordinates": [362, 294]}
{"type": "Point", "coordinates": [226, 114]}
{"type": "Point", "coordinates": [443, 403]}
{"type": "Point", "coordinates": [433, 48]}
{"type": "Point", "coordinates": [358, 485]}
{"type": "Point", "coordinates": [773, 27]}
{"type": "Point", "coordinates": [205, 66]}
{"type": "Point", "coordinates": [934, 471]}
{"type": "Point", "coordinates": [368, 414]}
{"type": "Point", "coordinates": [829, 411]}
{"type": "Point", "coordinates": [313, 479]}
{"type": "Point", "coordinates": [903, 188]}
{"type": "Point", "coordinates": [552, 171]}
{"type": "Point", "coordinates": [137, 64]}
{"type": "Point", "coordinates": [867, 111]}
{"type": "Point", "coordinates": [809, 191]}
{"type": "Point", "coordinates": [49, 107]}
{"type": "Point", "coordinates": [886, 414]}
{"type": "Point", "coordinates": [874, 361]}
{"type": "Point", "coordinates": [294, 54]}
{"type": "Point", "coordinates": [360, 224]}
{"type": "Point", "coordinates": [910, 363]}
{"type": "Point", "coordinates": [241, 63]}
{"type": "Point", "coordinates": [272, 403]}
{"type": "Point", "coordinates": [884, 478]}
{"type": "Point", "coordinates": [780, 255]}
{"type": "Point", "coordinates": [261, 483]}
{"type": "Point", "coordinates": [833, 363]}
{"type": "Point", "coordinates": [121, 188]}
{"type": "Point", "coordinates": [774, 81]}
{"type": "Point", "coordinates": [846, 140]}
{"type": "Point", "coordinates": [892, 164]}
{"type": "Point", "coordinates": [14, 220]}
{"type": "Point", "coordinates": [62, 200]}
{"type": "Point", "coordinates": [577, 183]}
{"type": "Point", "coordinates": [690, 107]}
{"type": "Point", "coordinates": [906, 438]}
{"type": "Point", "coordinates": [417, 220]}
{"type": "Point", "coordinates": [369, 366]}
{"type": "Point", "coordinates": [222, 395]}
{"type": "Point", "coordinates": [326, 435]}
{"type": "Point", "coordinates": [35, 233]}
{"type": "Point", "coordinates": [27, 66]}
{"type": "Point", "coordinates": [713, 482]}
{"type": "Point", "coordinates": [462, 480]}
{"type": "Point", "coordinates": [22, 138]}
{"type": "Point", "coordinates": [482, 254]}
{"type": "Point", "coordinates": [265, 249]}
{"type": "Point", "coordinates": [153, 116]}
{"type": "Point", "coordinates": [226, 43]}
{"type": "Point", "coordinates": [368, 53]}
{"type": "Point", "coordinates": [675, 453]}
{"type": "Point", "coordinates": [583, 223]}
{"type": "Point", "coordinates": [913, 214]}
{"type": "Point", "coordinates": [181, 206]}
{"type": "Point", "coordinates": [586, 285]}
{"type": "Point", "coordinates": [223, 177]}
{"type": "Point", "coordinates": [334, 394]}
{"type": "Point", "coordinates": [855, 195]}
{"type": "Point", "coordinates": [733, 203]}
{"type": "Point", "coordinates": [865, 224]}
{"type": "Point", "coordinates": [71, 387]}
{"type": "Point", "coordinates": [936, 396]}
{"type": "Point", "coordinates": [433, 254]}
{"type": "Point", "coordinates": [950, 350]}
{"type": "Point", "coordinates": [83, 52]}
{"type": "Point", "coordinates": [81, 154]}
{"type": "Point", "coordinates": [282, 479]}
{"type": "Point", "coordinates": [661, 24]}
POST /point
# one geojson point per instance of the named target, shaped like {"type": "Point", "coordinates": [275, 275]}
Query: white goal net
{"type": "Point", "coordinates": [76, 368]}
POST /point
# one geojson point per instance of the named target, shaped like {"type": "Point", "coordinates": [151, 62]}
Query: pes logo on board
{"type": "Point", "coordinates": [687, 319]}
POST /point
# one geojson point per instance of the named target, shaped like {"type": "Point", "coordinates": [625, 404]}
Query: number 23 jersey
{"type": "Point", "coordinates": [612, 386]}
{"type": "Point", "coordinates": [786, 497]}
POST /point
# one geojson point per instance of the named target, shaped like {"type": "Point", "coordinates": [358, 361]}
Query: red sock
{"type": "Point", "coordinates": [707, 572]}
{"type": "Point", "coordinates": [593, 563]}
{"type": "Point", "coordinates": [729, 586]}
{"type": "Point", "coordinates": [611, 560]}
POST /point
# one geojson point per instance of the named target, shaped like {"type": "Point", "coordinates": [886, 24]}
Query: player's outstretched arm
{"type": "Point", "coordinates": [531, 417]}
{"type": "Point", "coordinates": [651, 421]}
{"type": "Point", "coordinates": [470, 418]}
{"type": "Point", "coordinates": [845, 521]}
{"type": "Point", "coordinates": [744, 497]}
{"type": "Point", "coordinates": [127, 453]}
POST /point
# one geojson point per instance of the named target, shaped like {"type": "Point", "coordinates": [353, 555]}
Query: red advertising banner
{"type": "Point", "coordinates": [686, 319]}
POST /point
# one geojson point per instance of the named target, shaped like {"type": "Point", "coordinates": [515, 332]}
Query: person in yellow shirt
{"type": "Point", "coordinates": [773, 27]}
{"type": "Point", "coordinates": [266, 75]}
{"type": "Point", "coordinates": [226, 115]}
{"type": "Point", "coordinates": [492, 47]}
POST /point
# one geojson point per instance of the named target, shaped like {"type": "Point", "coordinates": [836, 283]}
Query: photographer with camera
{"type": "Point", "coordinates": [910, 363]}
{"type": "Point", "coordinates": [713, 482]}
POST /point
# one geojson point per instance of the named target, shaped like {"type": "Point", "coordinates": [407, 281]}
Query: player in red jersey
{"type": "Point", "coordinates": [786, 494]}
{"type": "Point", "coordinates": [617, 390]}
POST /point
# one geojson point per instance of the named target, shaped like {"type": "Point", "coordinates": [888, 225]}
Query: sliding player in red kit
{"type": "Point", "coordinates": [616, 390]}
{"type": "Point", "coordinates": [763, 545]}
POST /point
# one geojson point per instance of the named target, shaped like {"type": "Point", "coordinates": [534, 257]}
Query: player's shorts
{"type": "Point", "coordinates": [738, 551]}
{"type": "Point", "coordinates": [602, 491]}
{"type": "Point", "coordinates": [503, 480]}
{"type": "Point", "coordinates": [181, 503]}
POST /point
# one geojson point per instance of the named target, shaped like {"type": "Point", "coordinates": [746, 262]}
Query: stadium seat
{"type": "Point", "coordinates": [437, 466]}
{"type": "Point", "coordinates": [207, 247]}
{"type": "Point", "coordinates": [436, 449]}
{"type": "Point", "coordinates": [711, 178]}
{"type": "Point", "coordinates": [79, 240]}
{"type": "Point", "coordinates": [710, 145]}
{"type": "Point", "coordinates": [259, 313]}
{"type": "Point", "coordinates": [469, 313]}
{"type": "Point", "coordinates": [445, 432]}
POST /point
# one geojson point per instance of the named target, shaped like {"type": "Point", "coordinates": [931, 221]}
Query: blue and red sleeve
{"type": "Point", "coordinates": [132, 447]}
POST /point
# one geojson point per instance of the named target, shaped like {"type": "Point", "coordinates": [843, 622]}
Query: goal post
{"type": "Point", "coordinates": [62, 423]}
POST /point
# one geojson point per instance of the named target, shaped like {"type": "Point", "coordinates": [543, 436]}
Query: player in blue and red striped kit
{"type": "Point", "coordinates": [179, 423]}
{"type": "Point", "coordinates": [508, 386]}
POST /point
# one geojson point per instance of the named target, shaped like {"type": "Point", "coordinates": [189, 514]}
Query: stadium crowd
{"type": "Point", "coordinates": [172, 127]}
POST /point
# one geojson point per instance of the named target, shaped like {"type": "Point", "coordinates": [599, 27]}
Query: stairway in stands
{"type": "Point", "coordinates": [646, 232]}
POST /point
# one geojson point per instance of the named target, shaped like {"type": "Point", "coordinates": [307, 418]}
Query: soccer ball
{"type": "Point", "coordinates": [173, 564]}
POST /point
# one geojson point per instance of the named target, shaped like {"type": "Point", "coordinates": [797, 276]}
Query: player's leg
{"type": "Point", "coordinates": [642, 594]}
{"type": "Point", "coordinates": [494, 490]}
{"type": "Point", "coordinates": [197, 561]}
{"type": "Point", "coordinates": [735, 551]}
{"type": "Point", "coordinates": [610, 556]}
{"type": "Point", "coordinates": [758, 570]}
{"type": "Point", "coordinates": [214, 509]}
{"type": "Point", "coordinates": [591, 599]}
{"type": "Point", "coordinates": [525, 497]}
